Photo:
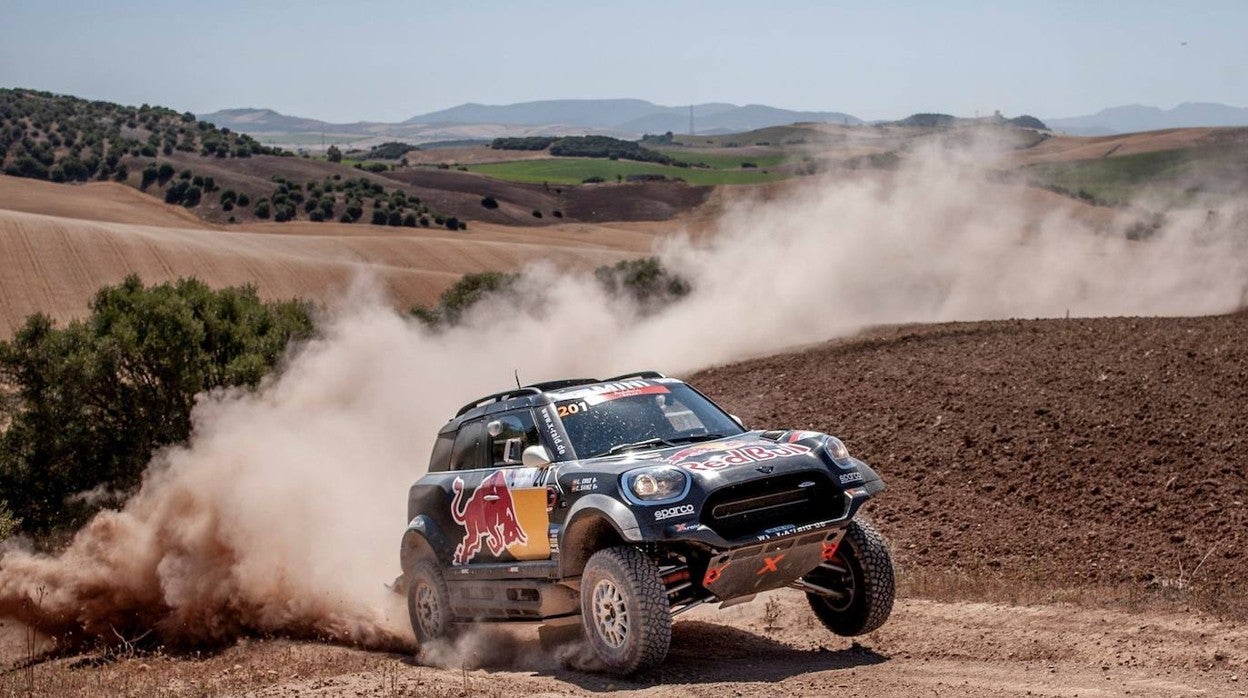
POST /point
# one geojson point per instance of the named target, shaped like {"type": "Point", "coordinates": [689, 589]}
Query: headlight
{"type": "Point", "coordinates": [656, 484]}
{"type": "Point", "coordinates": [836, 449]}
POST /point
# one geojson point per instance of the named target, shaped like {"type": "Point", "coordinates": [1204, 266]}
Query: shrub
{"type": "Point", "coordinates": [82, 419]}
{"type": "Point", "coordinates": [592, 180]}
{"type": "Point", "coordinates": [262, 208]}
{"type": "Point", "coordinates": [462, 295]}
{"type": "Point", "coordinates": [244, 200]}
{"type": "Point", "coordinates": [150, 174]}
{"type": "Point", "coordinates": [489, 202]}
{"type": "Point", "coordinates": [451, 223]}
{"type": "Point", "coordinates": [525, 143]}
{"type": "Point", "coordinates": [395, 218]}
{"type": "Point", "coordinates": [409, 221]}
{"type": "Point", "coordinates": [333, 154]}
{"type": "Point", "coordinates": [646, 280]}
{"type": "Point", "coordinates": [537, 213]}
{"type": "Point", "coordinates": [8, 523]}
{"type": "Point", "coordinates": [164, 173]}
{"type": "Point", "coordinates": [557, 213]}
{"type": "Point", "coordinates": [184, 174]}
{"type": "Point", "coordinates": [379, 217]}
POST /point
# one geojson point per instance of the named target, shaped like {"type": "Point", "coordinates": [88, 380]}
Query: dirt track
{"type": "Point", "coordinates": [1080, 470]}
{"type": "Point", "coordinates": [771, 646]}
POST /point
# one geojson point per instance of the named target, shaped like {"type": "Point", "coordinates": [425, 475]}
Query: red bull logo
{"type": "Point", "coordinates": [488, 516]}
{"type": "Point", "coordinates": [728, 453]}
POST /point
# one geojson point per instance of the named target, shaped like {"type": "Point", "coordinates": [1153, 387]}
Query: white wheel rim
{"type": "Point", "coordinates": [427, 607]}
{"type": "Point", "coordinates": [610, 613]}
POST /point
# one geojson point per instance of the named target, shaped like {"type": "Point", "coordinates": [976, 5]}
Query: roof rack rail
{"type": "Point", "coordinates": [635, 374]}
{"type": "Point", "coordinates": [496, 397]}
{"type": "Point", "coordinates": [561, 384]}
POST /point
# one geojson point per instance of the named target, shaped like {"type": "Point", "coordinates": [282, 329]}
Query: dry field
{"type": "Point", "coordinates": [59, 244]}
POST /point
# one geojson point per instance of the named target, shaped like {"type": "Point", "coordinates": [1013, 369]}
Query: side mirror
{"type": "Point", "coordinates": [536, 457]}
{"type": "Point", "coordinates": [737, 419]}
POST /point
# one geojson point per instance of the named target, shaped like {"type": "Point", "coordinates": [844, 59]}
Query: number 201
{"type": "Point", "coordinates": [573, 408]}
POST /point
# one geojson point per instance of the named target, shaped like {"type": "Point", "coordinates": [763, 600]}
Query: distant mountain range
{"type": "Point", "coordinates": [1136, 117]}
{"type": "Point", "coordinates": [621, 117]}
{"type": "Point", "coordinates": [630, 118]}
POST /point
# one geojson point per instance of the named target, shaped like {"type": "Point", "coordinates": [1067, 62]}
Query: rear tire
{"type": "Point", "coordinates": [862, 571]}
{"type": "Point", "coordinates": [624, 609]}
{"type": "Point", "coordinates": [428, 602]}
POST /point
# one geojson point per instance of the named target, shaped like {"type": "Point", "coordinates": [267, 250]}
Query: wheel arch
{"type": "Point", "coordinates": [423, 538]}
{"type": "Point", "coordinates": [595, 522]}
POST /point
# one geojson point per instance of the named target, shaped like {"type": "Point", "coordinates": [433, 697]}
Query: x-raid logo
{"type": "Point", "coordinates": [673, 512]}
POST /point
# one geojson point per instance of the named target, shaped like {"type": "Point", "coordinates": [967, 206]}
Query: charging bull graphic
{"type": "Point", "coordinates": [489, 515]}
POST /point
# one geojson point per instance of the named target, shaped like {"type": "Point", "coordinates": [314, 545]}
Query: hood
{"type": "Point", "coordinates": [753, 451]}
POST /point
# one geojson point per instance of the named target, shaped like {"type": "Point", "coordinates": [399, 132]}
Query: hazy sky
{"type": "Point", "coordinates": [389, 60]}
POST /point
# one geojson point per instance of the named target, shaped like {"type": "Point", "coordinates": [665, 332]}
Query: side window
{"type": "Point", "coordinates": [467, 452]}
{"type": "Point", "coordinates": [681, 417]}
{"type": "Point", "coordinates": [440, 461]}
{"type": "Point", "coordinates": [510, 434]}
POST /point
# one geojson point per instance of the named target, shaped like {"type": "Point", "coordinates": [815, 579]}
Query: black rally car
{"type": "Point", "coordinates": [628, 501]}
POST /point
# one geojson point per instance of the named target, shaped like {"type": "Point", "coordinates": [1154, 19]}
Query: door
{"type": "Point", "coordinates": [498, 506]}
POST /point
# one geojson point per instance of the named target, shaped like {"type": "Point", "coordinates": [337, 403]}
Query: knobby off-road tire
{"type": "Point", "coordinates": [867, 576]}
{"type": "Point", "coordinates": [624, 609]}
{"type": "Point", "coordinates": [428, 602]}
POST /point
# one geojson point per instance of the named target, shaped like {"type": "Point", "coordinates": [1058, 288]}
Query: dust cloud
{"type": "Point", "coordinates": [283, 512]}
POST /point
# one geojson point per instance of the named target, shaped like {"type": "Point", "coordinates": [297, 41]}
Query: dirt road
{"type": "Point", "coordinates": [769, 647]}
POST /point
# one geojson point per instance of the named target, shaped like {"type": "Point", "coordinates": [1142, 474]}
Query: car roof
{"type": "Point", "coordinates": [537, 395]}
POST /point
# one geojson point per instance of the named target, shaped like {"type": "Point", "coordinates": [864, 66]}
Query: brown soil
{"type": "Point", "coordinates": [1029, 462]}
{"type": "Point", "coordinates": [771, 646]}
{"type": "Point", "coordinates": [1072, 453]}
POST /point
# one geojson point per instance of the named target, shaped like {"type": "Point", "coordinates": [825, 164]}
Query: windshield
{"type": "Point", "coordinates": [657, 414]}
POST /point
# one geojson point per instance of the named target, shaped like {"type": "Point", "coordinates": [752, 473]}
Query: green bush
{"type": "Point", "coordinates": [262, 208]}
{"type": "Point", "coordinates": [462, 295]}
{"type": "Point", "coordinates": [333, 154]}
{"type": "Point", "coordinates": [8, 523]}
{"type": "Point", "coordinates": [88, 404]}
{"type": "Point", "coordinates": [645, 280]}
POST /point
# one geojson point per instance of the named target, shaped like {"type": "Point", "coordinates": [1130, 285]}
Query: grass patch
{"type": "Point", "coordinates": [720, 160]}
{"type": "Point", "coordinates": [577, 170]}
{"type": "Point", "coordinates": [1183, 176]}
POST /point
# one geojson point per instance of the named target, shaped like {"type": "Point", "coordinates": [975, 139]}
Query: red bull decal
{"type": "Point", "coordinates": [488, 516]}
{"type": "Point", "coordinates": [729, 453]}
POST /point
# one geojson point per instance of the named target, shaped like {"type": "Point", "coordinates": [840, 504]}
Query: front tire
{"type": "Point", "coordinates": [428, 602]}
{"type": "Point", "coordinates": [861, 575]}
{"type": "Point", "coordinates": [624, 609]}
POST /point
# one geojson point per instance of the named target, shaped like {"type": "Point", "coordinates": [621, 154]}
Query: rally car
{"type": "Point", "coordinates": [626, 502]}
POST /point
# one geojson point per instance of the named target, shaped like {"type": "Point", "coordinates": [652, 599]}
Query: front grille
{"type": "Point", "coordinates": [749, 508]}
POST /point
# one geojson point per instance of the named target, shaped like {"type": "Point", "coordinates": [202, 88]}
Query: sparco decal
{"type": "Point", "coordinates": [850, 477]}
{"type": "Point", "coordinates": [488, 516]}
{"type": "Point", "coordinates": [672, 512]}
{"type": "Point", "coordinates": [729, 453]}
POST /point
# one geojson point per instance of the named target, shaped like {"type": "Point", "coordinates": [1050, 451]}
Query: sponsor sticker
{"type": "Point", "coordinates": [850, 477]}
{"type": "Point", "coordinates": [673, 512]}
{"type": "Point", "coordinates": [715, 456]}
{"type": "Point", "coordinates": [553, 431]}
{"type": "Point", "coordinates": [488, 516]}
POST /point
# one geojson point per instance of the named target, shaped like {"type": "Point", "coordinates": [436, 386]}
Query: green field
{"type": "Point", "coordinates": [720, 160]}
{"type": "Point", "coordinates": [1175, 177]}
{"type": "Point", "coordinates": [577, 170]}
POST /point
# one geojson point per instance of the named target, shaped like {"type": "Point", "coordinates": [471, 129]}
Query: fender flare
{"type": "Point", "coordinates": [594, 508]}
{"type": "Point", "coordinates": [422, 537]}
